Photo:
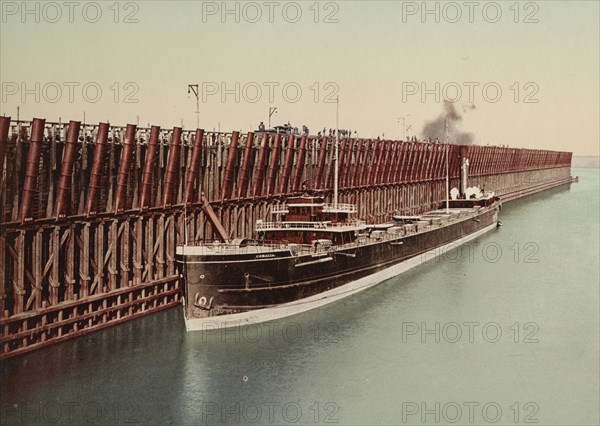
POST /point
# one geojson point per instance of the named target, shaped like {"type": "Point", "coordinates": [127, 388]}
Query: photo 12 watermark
{"type": "Point", "coordinates": [71, 413]}
{"type": "Point", "coordinates": [489, 252]}
{"type": "Point", "coordinates": [469, 332]}
{"type": "Point", "coordinates": [471, 12]}
{"type": "Point", "coordinates": [516, 178]}
{"type": "Point", "coordinates": [269, 412]}
{"type": "Point", "coordinates": [54, 12]}
{"type": "Point", "coordinates": [70, 92]}
{"type": "Point", "coordinates": [271, 331]}
{"type": "Point", "coordinates": [268, 91]}
{"type": "Point", "coordinates": [469, 412]}
{"type": "Point", "coordinates": [470, 91]}
{"type": "Point", "coordinates": [252, 12]}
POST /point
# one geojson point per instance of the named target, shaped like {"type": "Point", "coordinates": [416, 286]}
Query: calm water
{"type": "Point", "coordinates": [503, 330]}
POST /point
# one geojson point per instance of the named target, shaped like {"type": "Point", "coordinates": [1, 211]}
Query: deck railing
{"type": "Point", "coordinates": [280, 209]}
{"type": "Point", "coordinates": [342, 208]}
{"type": "Point", "coordinates": [264, 226]}
{"type": "Point", "coordinates": [327, 208]}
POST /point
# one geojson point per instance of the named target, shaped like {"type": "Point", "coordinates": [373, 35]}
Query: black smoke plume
{"type": "Point", "coordinates": [435, 129]}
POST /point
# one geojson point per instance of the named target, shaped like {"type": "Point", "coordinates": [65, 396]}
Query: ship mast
{"type": "Point", "coordinates": [337, 140]}
{"type": "Point", "coordinates": [447, 175]}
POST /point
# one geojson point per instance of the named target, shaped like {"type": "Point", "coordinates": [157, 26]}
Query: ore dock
{"type": "Point", "coordinates": [92, 214]}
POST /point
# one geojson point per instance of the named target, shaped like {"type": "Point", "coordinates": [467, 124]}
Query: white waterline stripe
{"type": "Point", "coordinates": [321, 299]}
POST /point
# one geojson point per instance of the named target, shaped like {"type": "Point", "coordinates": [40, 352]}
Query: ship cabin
{"type": "Point", "coordinates": [308, 220]}
{"type": "Point", "coordinates": [475, 198]}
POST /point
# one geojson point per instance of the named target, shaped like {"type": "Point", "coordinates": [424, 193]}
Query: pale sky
{"type": "Point", "coordinates": [385, 60]}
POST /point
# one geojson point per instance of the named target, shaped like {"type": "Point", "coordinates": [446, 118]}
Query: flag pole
{"type": "Point", "coordinates": [447, 172]}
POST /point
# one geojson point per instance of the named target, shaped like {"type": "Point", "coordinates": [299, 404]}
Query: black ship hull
{"type": "Point", "coordinates": [226, 289]}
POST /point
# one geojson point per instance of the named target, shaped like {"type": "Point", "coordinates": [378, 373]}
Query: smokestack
{"type": "Point", "coordinates": [464, 177]}
{"type": "Point", "coordinates": [463, 152]}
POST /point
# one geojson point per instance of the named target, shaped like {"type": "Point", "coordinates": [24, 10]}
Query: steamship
{"type": "Point", "coordinates": [311, 253]}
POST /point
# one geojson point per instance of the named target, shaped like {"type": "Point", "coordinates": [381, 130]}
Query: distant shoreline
{"type": "Point", "coordinates": [585, 162]}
